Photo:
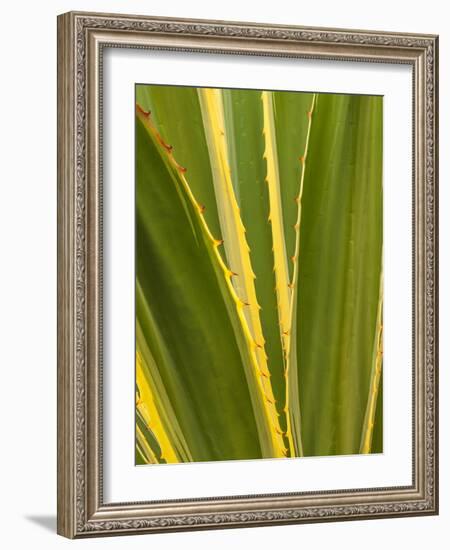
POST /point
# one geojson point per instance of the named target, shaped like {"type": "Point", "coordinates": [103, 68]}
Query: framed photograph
{"type": "Point", "coordinates": [247, 274]}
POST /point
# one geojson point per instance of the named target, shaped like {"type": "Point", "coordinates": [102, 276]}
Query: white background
{"type": "Point", "coordinates": [28, 274]}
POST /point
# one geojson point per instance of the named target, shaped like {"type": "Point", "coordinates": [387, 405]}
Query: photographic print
{"type": "Point", "coordinates": [259, 274]}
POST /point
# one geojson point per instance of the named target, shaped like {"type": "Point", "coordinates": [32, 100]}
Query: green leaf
{"type": "Point", "coordinates": [291, 123]}
{"type": "Point", "coordinates": [377, 441]}
{"type": "Point", "coordinates": [238, 254]}
{"type": "Point", "coordinates": [339, 271]}
{"type": "Point", "coordinates": [153, 403]}
{"type": "Point", "coordinates": [175, 111]}
{"type": "Point", "coordinates": [244, 127]}
{"type": "Point", "coordinates": [147, 443]}
{"type": "Point", "coordinates": [200, 347]}
{"type": "Point", "coordinates": [244, 123]}
{"type": "Point", "coordinates": [292, 395]}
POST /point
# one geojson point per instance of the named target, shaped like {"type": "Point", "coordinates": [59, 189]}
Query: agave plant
{"type": "Point", "coordinates": [259, 274]}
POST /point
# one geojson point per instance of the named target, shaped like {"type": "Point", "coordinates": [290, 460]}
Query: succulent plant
{"type": "Point", "coordinates": [258, 274]}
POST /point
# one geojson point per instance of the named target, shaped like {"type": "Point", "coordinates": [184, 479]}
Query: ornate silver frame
{"type": "Point", "coordinates": [81, 39]}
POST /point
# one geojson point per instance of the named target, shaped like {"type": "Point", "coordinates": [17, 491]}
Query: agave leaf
{"type": "Point", "coordinates": [153, 403]}
{"type": "Point", "coordinates": [243, 115]}
{"type": "Point", "coordinates": [238, 255]}
{"type": "Point", "coordinates": [179, 269]}
{"type": "Point", "coordinates": [284, 270]}
{"type": "Point", "coordinates": [294, 429]}
{"type": "Point", "coordinates": [147, 446]}
{"type": "Point", "coordinates": [291, 119]}
{"type": "Point", "coordinates": [377, 439]}
{"type": "Point", "coordinates": [339, 271]}
{"type": "Point", "coordinates": [175, 112]}
{"type": "Point", "coordinates": [375, 379]}
{"type": "Point", "coordinates": [280, 258]}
